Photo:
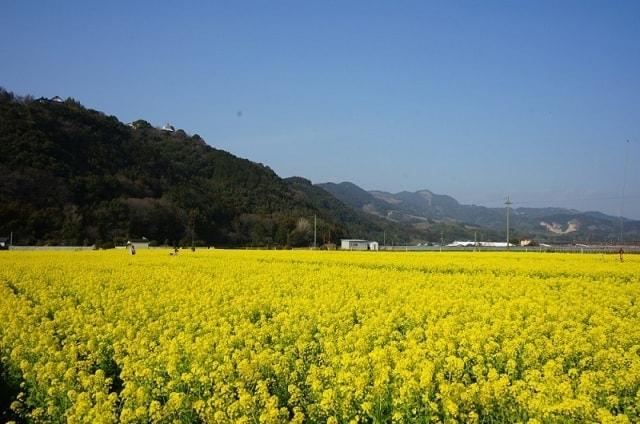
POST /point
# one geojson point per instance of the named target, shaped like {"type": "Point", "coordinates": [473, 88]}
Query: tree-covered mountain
{"type": "Point", "coordinates": [71, 175]}
{"type": "Point", "coordinates": [545, 224]}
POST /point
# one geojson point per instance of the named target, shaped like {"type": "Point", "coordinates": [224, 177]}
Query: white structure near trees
{"type": "Point", "coordinates": [358, 244]}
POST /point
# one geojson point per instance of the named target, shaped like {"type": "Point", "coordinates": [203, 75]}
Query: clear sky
{"type": "Point", "coordinates": [473, 99]}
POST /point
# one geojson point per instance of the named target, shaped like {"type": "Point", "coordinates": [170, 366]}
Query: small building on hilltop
{"type": "Point", "coordinates": [358, 244]}
{"type": "Point", "coordinates": [168, 128]}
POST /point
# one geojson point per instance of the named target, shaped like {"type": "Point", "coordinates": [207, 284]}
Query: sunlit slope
{"type": "Point", "coordinates": [278, 336]}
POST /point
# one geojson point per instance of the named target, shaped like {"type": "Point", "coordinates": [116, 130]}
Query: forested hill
{"type": "Point", "coordinates": [72, 175]}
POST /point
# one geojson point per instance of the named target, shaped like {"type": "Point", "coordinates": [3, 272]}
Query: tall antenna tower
{"type": "Point", "coordinates": [508, 204]}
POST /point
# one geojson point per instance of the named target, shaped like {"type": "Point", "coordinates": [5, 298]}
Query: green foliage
{"type": "Point", "coordinates": [107, 245]}
{"type": "Point", "coordinates": [141, 124]}
{"type": "Point", "coordinates": [72, 175]}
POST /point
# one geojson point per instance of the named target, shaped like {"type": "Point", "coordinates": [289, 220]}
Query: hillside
{"type": "Point", "coordinates": [545, 224]}
{"type": "Point", "coordinates": [357, 198]}
{"type": "Point", "coordinates": [72, 175]}
{"type": "Point", "coordinates": [394, 232]}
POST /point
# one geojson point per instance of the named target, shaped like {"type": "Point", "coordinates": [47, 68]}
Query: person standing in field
{"type": "Point", "coordinates": [133, 250]}
{"type": "Point", "coordinates": [621, 252]}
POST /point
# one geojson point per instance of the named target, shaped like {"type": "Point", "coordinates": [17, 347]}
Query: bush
{"type": "Point", "coordinates": [107, 245]}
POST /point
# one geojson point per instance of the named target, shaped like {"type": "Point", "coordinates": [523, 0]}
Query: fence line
{"type": "Point", "coordinates": [541, 249]}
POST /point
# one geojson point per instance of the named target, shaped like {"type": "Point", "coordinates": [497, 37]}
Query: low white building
{"type": "Point", "coordinates": [358, 244]}
{"type": "Point", "coordinates": [480, 244]}
{"type": "Point", "coordinates": [461, 244]}
{"type": "Point", "coordinates": [495, 244]}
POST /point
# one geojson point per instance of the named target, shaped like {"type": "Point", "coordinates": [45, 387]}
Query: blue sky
{"type": "Point", "coordinates": [473, 99]}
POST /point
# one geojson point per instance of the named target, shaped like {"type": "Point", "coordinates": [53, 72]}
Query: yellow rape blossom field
{"type": "Point", "coordinates": [299, 336]}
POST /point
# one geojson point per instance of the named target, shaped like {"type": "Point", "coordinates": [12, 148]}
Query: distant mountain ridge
{"type": "Point", "coordinates": [548, 224]}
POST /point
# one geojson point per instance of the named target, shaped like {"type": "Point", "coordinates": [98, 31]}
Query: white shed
{"type": "Point", "coordinates": [496, 244]}
{"type": "Point", "coordinates": [357, 244]}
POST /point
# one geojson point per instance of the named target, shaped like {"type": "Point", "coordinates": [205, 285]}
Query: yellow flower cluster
{"type": "Point", "coordinates": [339, 337]}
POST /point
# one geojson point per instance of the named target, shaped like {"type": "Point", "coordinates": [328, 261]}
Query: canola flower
{"type": "Point", "coordinates": [336, 337]}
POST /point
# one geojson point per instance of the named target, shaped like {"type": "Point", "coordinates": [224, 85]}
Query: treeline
{"type": "Point", "coordinates": [71, 175]}
{"type": "Point", "coordinates": [75, 176]}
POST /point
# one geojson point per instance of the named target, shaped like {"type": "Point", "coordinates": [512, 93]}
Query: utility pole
{"type": "Point", "coordinates": [11, 239]}
{"type": "Point", "coordinates": [475, 241]}
{"type": "Point", "coordinates": [193, 215]}
{"type": "Point", "coordinates": [384, 238]}
{"type": "Point", "coordinates": [508, 204]}
{"type": "Point", "coordinates": [315, 226]}
{"type": "Point", "coordinates": [624, 183]}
